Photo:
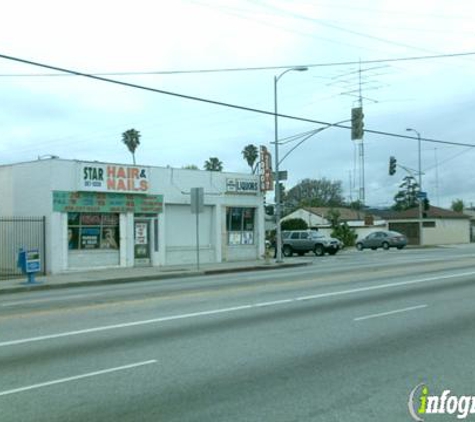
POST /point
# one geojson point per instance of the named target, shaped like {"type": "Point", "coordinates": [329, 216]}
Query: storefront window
{"type": "Point", "coordinates": [240, 226]}
{"type": "Point", "coordinates": [93, 231]}
{"type": "Point", "coordinates": [235, 223]}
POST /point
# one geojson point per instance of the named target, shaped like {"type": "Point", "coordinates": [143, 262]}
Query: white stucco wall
{"type": "Point", "coordinates": [361, 232]}
{"type": "Point", "coordinates": [310, 218]}
{"type": "Point", "coordinates": [447, 231]}
{"type": "Point", "coordinates": [323, 225]}
{"type": "Point", "coordinates": [26, 190]}
{"type": "Point", "coordinates": [181, 239]}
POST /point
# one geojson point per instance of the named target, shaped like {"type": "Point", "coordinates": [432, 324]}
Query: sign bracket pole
{"type": "Point", "coordinates": [198, 241]}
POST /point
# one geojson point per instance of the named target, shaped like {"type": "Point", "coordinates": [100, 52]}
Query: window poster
{"type": "Point", "coordinates": [234, 238]}
{"type": "Point", "coordinates": [141, 234]}
{"type": "Point", "coordinates": [247, 238]}
{"type": "Point", "coordinates": [90, 237]}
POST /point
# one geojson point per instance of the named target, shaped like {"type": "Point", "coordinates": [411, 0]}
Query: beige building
{"type": "Point", "coordinates": [440, 226]}
{"type": "Point", "coordinates": [319, 218]}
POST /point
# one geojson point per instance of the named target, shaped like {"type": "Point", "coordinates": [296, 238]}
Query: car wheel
{"type": "Point", "coordinates": [287, 250]}
{"type": "Point", "coordinates": [359, 246]}
{"type": "Point", "coordinates": [318, 250]}
{"type": "Point", "coordinates": [385, 246]}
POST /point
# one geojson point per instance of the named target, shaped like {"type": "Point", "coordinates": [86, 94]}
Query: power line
{"type": "Point", "coordinates": [220, 103]}
{"type": "Point", "coordinates": [225, 70]}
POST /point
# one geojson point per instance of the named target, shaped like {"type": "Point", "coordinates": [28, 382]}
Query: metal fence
{"type": "Point", "coordinates": [16, 233]}
{"type": "Point", "coordinates": [411, 230]}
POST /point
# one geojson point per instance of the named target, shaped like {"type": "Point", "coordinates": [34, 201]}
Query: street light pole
{"type": "Point", "coordinates": [420, 183]}
{"type": "Point", "coordinates": [278, 234]}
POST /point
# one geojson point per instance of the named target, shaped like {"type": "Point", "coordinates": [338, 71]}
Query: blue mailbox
{"type": "Point", "coordinates": [30, 263]}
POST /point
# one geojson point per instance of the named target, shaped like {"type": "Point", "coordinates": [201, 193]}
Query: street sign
{"type": "Point", "coordinates": [283, 175]}
{"type": "Point", "coordinates": [197, 200]}
{"type": "Point", "coordinates": [197, 207]}
{"type": "Point", "coordinates": [421, 195]}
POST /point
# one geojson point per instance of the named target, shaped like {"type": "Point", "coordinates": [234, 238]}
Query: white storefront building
{"type": "Point", "coordinates": [101, 215]}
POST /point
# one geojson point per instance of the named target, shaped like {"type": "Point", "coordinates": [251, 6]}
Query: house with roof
{"type": "Point", "coordinates": [319, 218]}
{"type": "Point", "coordinates": [439, 226]}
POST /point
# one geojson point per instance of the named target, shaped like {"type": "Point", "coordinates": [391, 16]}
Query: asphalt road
{"type": "Point", "coordinates": [345, 339]}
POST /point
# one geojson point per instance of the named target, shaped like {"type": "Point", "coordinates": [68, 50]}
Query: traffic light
{"type": "Point", "coordinates": [357, 124]}
{"type": "Point", "coordinates": [281, 192]}
{"type": "Point", "coordinates": [269, 209]}
{"type": "Point", "coordinates": [426, 204]}
{"type": "Point", "coordinates": [392, 165]}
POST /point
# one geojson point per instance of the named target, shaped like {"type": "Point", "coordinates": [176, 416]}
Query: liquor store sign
{"type": "Point", "coordinates": [242, 186]}
{"type": "Point", "coordinates": [113, 178]}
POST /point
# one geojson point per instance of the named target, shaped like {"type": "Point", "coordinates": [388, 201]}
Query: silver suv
{"type": "Point", "coordinates": [303, 241]}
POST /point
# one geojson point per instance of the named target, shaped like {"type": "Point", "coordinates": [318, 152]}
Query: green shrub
{"type": "Point", "coordinates": [294, 224]}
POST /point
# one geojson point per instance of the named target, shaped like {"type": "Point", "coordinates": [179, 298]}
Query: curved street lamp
{"type": "Point", "coordinates": [314, 132]}
{"type": "Point", "coordinates": [278, 234]}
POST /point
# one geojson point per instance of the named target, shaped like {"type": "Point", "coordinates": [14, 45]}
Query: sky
{"type": "Point", "coordinates": [230, 51]}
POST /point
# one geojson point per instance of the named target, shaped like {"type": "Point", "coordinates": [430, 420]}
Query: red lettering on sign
{"type": "Point", "coordinates": [110, 184]}
{"type": "Point", "coordinates": [143, 185]}
{"type": "Point", "coordinates": [134, 173]}
{"type": "Point", "coordinates": [121, 185]}
{"type": "Point", "coordinates": [121, 173]}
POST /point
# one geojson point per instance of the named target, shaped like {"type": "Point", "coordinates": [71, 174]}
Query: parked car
{"type": "Point", "coordinates": [382, 239]}
{"type": "Point", "coordinates": [303, 241]}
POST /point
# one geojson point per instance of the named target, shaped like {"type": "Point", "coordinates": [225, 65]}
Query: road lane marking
{"type": "Point", "coordinates": [125, 325]}
{"type": "Point", "coordinates": [51, 299]}
{"type": "Point", "coordinates": [396, 311]}
{"type": "Point", "coordinates": [75, 378]}
{"type": "Point", "coordinates": [232, 309]}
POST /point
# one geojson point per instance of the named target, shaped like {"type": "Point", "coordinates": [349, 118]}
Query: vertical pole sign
{"type": "Point", "coordinates": [197, 207]}
{"type": "Point", "coordinates": [265, 169]}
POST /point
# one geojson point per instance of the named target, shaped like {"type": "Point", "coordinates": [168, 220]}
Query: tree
{"type": "Point", "coordinates": [406, 198]}
{"type": "Point", "coordinates": [333, 216]}
{"type": "Point", "coordinates": [356, 205]}
{"type": "Point", "coordinates": [341, 230]}
{"type": "Point", "coordinates": [294, 224]}
{"type": "Point", "coordinates": [213, 164]}
{"type": "Point", "coordinates": [316, 193]}
{"type": "Point", "coordinates": [131, 138]}
{"type": "Point", "coordinates": [345, 233]}
{"type": "Point", "coordinates": [458, 205]}
{"type": "Point", "coordinates": [250, 154]}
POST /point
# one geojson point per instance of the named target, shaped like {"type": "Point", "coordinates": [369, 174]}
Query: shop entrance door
{"type": "Point", "coordinates": [142, 242]}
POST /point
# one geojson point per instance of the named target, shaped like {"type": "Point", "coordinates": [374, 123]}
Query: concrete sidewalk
{"type": "Point", "coordinates": [125, 275]}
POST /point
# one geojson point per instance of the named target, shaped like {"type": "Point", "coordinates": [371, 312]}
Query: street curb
{"type": "Point", "coordinates": [155, 277]}
{"type": "Point", "coordinates": [263, 267]}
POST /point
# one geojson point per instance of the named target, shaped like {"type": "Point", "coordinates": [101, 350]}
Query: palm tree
{"type": "Point", "coordinates": [250, 154]}
{"type": "Point", "coordinates": [213, 164]}
{"type": "Point", "coordinates": [131, 138]}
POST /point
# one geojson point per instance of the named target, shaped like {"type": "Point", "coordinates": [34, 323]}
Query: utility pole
{"type": "Point", "coordinates": [419, 150]}
{"type": "Point", "coordinates": [437, 177]}
{"type": "Point", "coordinates": [278, 211]}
